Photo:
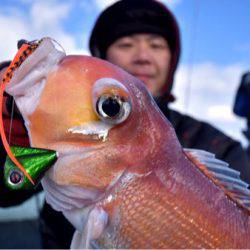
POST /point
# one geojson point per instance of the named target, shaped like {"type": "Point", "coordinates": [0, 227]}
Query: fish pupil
{"type": "Point", "coordinates": [111, 107]}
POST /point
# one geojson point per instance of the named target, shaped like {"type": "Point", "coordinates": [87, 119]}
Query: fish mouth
{"type": "Point", "coordinates": [73, 147]}
{"type": "Point", "coordinates": [67, 154]}
{"type": "Point", "coordinates": [64, 150]}
{"type": "Point", "coordinates": [74, 151]}
{"type": "Point", "coordinates": [83, 139]}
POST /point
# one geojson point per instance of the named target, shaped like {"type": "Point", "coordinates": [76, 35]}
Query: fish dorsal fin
{"type": "Point", "coordinates": [220, 173]}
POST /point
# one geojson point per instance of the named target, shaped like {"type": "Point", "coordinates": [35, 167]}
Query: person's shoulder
{"type": "Point", "coordinates": [193, 133]}
{"type": "Point", "coordinates": [186, 121]}
{"type": "Point", "coordinates": [196, 133]}
{"type": "Point", "coordinates": [179, 119]}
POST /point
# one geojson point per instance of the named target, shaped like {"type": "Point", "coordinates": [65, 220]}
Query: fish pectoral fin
{"type": "Point", "coordinates": [96, 223]}
{"type": "Point", "coordinates": [222, 175]}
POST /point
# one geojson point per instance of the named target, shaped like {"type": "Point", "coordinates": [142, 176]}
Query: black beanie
{"type": "Point", "coordinates": [127, 17]}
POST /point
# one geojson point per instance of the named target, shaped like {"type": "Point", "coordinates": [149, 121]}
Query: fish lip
{"type": "Point", "coordinates": [64, 150]}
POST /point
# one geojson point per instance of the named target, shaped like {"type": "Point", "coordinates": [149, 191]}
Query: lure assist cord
{"type": "Point", "coordinates": [191, 55]}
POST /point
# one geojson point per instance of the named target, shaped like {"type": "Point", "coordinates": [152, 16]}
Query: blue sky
{"type": "Point", "coordinates": [221, 29]}
{"type": "Point", "coordinates": [215, 46]}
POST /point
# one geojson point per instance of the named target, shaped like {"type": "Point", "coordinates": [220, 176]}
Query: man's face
{"type": "Point", "coordinates": [146, 56]}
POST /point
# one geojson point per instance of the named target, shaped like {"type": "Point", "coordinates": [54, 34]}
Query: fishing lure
{"type": "Point", "coordinates": [36, 161]}
{"type": "Point", "coordinates": [24, 166]}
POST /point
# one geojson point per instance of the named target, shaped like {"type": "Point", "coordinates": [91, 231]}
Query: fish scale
{"type": "Point", "coordinates": [172, 226]}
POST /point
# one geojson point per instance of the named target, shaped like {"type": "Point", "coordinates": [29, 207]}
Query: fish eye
{"type": "Point", "coordinates": [111, 100]}
{"type": "Point", "coordinates": [112, 108]}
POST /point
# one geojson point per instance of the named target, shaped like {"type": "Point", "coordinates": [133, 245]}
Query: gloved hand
{"type": "Point", "coordinates": [15, 130]}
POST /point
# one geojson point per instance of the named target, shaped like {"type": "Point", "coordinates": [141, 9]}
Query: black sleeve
{"type": "Point", "coordinates": [7, 196]}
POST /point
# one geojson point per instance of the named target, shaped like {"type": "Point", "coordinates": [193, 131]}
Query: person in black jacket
{"type": "Point", "coordinates": [150, 30]}
{"type": "Point", "coordinates": [242, 104]}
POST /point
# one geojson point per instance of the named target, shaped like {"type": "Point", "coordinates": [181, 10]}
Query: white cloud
{"type": "Point", "coordinates": [211, 95]}
{"type": "Point", "coordinates": [44, 18]}
{"type": "Point", "coordinates": [220, 112]}
{"type": "Point", "coordinates": [50, 14]}
{"type": "Point", "coordinates": [171, 3]}
{"type": "Point", "coordinates": [16, 29]}
{"type": "Point", "coordinates": [101, 4]}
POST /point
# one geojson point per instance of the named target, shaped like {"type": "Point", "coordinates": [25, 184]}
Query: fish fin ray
{"type": "Point", "coordinates": [221, 174]}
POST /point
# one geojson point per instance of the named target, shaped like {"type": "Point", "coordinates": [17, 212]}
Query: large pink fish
{"type": "Point", "coordinates": [122, 178]}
